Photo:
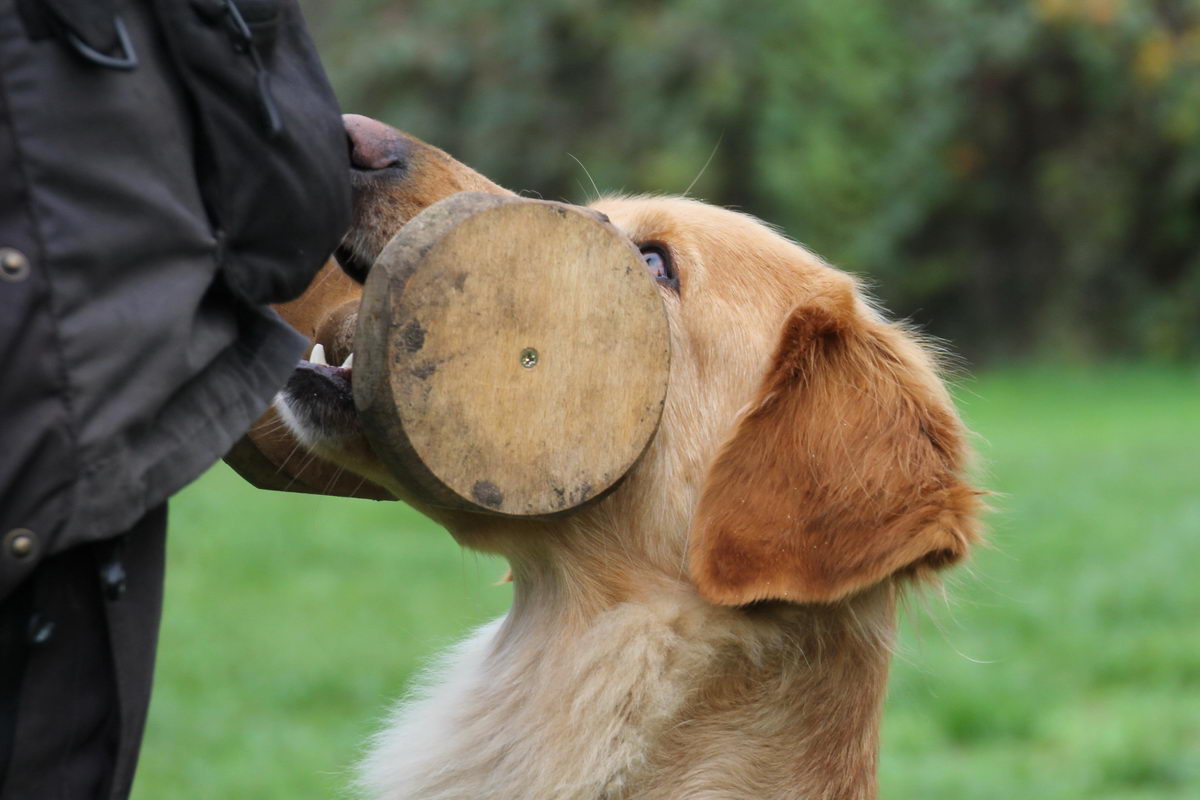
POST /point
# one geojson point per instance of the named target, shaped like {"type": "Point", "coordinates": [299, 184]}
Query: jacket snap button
{"type": "Point", "coordinates": [41, 629]}
{"type": "Point", "coordinates": [112, 576]}
{"type": "Point", "coordinates": [21, 542]}
{"type": "Point", "coordinates": [14, 266]}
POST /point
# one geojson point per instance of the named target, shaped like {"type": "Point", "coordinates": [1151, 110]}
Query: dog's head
{"type": "Point", "coordinates": [394, 177]}
{"type": "Point", "coordinates": [808, 448]}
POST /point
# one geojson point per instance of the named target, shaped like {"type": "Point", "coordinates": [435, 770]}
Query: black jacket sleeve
{"type": "Point", "coordinates": [147, 212]}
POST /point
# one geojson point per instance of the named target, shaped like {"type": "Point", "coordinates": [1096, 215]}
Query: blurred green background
{"type": "Point", "coordinates": [1021, 177]}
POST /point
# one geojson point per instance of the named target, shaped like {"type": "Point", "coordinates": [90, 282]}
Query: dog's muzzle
{"type": "Point", "coordinates": [510, 357]}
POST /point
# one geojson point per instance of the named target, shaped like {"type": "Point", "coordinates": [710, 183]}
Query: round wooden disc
{"type": "Point", "coordinates": [511, 355]}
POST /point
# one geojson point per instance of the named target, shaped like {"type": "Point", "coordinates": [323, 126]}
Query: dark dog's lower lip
{"type": "Point", "coordinates": [326, 371]}
{"type": "Point", "coordinates": [322, 380]}
{"type": "Point", "coordinates": [324, 395]}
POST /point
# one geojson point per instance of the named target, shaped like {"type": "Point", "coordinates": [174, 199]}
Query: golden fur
{"type": "Point", "coordinates": [720, 625]}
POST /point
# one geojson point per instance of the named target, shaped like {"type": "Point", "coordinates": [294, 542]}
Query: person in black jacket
{"type": "Point", "coordinates": [167, 168]}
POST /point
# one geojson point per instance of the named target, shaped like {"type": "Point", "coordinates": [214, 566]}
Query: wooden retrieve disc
{"type": "Point", "coordinates": [511, 356]}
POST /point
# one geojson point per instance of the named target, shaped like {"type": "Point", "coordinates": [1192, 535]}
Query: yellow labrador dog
{"type": "Point", "coordinates": [720, 625]}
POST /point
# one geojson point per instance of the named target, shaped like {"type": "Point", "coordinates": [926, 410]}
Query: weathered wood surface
{"type": "Point", "coordinates": [511, 355]}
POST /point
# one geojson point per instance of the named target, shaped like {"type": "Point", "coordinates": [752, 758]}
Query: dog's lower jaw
{"type": "Point", "coordinates": [346, 447]}
{"type": "Point", "coordinates": [647, 698]}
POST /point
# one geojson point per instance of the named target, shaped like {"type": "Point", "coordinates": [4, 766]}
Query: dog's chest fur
{"type": "Point", "coordinates": [649, 700]}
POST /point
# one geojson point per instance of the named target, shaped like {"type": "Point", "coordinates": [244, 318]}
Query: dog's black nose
{"type": "Point", "coordinates": [373, 145]}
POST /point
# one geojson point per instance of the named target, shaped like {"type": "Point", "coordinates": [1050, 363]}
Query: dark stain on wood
{"type": "Point", "coordinates": [412, 338]}
{"type": "Point", "coordinates": [488, 494]}
{"type": "Point", "coordinates": [424, 370]}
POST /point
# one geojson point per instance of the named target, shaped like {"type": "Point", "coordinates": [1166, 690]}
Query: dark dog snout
{"type": "Point", "coordinates": [373, 145]}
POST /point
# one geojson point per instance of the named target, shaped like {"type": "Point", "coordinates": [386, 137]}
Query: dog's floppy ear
{"type": "Point", "coordinates": [845, 469]}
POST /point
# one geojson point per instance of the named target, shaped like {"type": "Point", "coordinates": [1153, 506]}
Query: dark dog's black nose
{"type": "Point", "coordinates": [373, 145]}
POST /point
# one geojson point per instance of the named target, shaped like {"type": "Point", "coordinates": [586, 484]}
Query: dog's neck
{"type": "Point", "coordinates": [612, 679]}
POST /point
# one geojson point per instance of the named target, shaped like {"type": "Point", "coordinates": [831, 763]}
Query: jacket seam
{"type": "Point", "coordinates": [43, 262]}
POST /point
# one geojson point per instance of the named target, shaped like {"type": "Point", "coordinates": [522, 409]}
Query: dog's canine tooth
{"type": "Point", "coordinates": [349, 362]}
{"type": "Point", "coordinates": [318, 355]}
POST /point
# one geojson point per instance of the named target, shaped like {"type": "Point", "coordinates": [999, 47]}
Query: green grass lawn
{"type": "Point", "coordinates": [1064, 663]}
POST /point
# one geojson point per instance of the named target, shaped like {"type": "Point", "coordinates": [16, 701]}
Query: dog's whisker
{"type": "Point", "coordinates": [595, 188]}
{"type": "Point", "coordinates": [582, 190]}
{"type": "Point", "coordinates": [333, 479]}
{"type": "Point", "coordinates": [707, 161]}
{"type": "Point", "coordinates": [303, 466]}
{"type": "Point", "coordinates": [271, 428]}
{"type": "Point", "coordinates": [283, 464]}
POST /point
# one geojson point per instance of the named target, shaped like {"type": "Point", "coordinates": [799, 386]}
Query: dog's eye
{"type": "Point", "coordinates": [658, 261]}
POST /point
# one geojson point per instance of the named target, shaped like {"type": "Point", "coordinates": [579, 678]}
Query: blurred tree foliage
{"type": "Point", "coordinates": [1020, 176]}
